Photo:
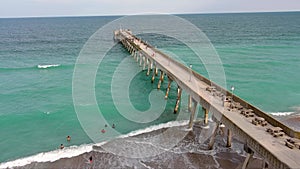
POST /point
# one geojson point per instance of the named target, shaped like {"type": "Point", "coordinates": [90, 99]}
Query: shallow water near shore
{"type": "Point", "coordinates": [260, 55]}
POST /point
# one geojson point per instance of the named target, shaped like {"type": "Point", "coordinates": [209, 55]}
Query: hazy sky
{"type": "Point", "coordinates": [21, 8]}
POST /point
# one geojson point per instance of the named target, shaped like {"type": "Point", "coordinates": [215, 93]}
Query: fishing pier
{"type": "Point", "coordinates": [278, 144]}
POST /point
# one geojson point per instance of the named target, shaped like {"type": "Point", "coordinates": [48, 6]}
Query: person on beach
{"type": "Point", "coordinates": [68, 138]}
{"type": "Point", "coordinates": [113, 126]}
{"type": "Point", "coordinates": [91, 159]}
{"type": "Point", "coordinates": [105, 125]}
{"type": "Point", "coordinates": [62, 146]}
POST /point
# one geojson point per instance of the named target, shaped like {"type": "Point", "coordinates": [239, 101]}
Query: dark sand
{"type": "Point", "coordinates": [188, 153]}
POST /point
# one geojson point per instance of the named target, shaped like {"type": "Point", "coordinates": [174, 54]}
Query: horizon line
{"type": "Point", "coordinates": [120, 15]}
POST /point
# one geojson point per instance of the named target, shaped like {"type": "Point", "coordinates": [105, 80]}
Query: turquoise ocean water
{"type": "Point", "coordinates": [260, 53]}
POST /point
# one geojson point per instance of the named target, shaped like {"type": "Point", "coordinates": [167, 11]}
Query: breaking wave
{"type": "Point", "coordinates": [47, 66]}
{"type": "Point", "coordinates": [72, 151]}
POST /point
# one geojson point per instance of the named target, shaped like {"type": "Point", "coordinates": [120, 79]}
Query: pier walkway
{"type": "Point", "coordinates": [275, 142]}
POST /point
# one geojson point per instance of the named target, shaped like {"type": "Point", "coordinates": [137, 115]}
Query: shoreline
{"type": "Point", "coordinates": [186, 153]}
{"type": "Point", "coordinates": [220, 155]}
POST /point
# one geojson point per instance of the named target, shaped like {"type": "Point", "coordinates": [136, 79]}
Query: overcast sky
{"type": "Point", "coordinates": [24, 8]}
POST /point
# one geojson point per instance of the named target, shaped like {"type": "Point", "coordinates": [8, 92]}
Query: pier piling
{"type": "Point", "coordinates": [168, 88]}
{"type": "Point", "coordinates": [192, 116]}
{"type": "Point", "coordinates": [178, 99]}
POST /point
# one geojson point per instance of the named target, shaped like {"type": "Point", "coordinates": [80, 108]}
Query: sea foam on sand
{"type": "Point", "coordinates": [72, 151]}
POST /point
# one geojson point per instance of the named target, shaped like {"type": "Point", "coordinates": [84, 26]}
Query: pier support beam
{"type": "Point", "coordinates": [205, 111]}
{"type": "Point", "coordinates": [193, 112]}
{"type": "Point", "coordinates": [179, 90]}
{"type": "Point", "coordinates": [156, 71]}
{"type": "Point", "coordinates": [265, 165]}
{"type": "Point", "coordinates": [145, 62]}
{"type": "Point", "coordinates": [130, 49]}
{"type": "Point", "coordinates": [213, 137]}
{"type": "Point", "coordinates": [168, 88]}
{"type": "Point", "coordinates": [162, 76]}
{"type": "Point", "coordinates": [190, 103]}
{"type": "Point", "coordinates": [137, 57]}
{"type": "Point", "coordinates": [229, 137]}
{"type": "Point", "coordinates": [160, 79]}
{"type": "Point", "coordinates": [149, 68]}
{"type": "Point", "coordinates": [141, 59]}
{"type": "Point", "coordinates": [134, 56]}
{"type": "Point", "coordinates": [249, 156]}
{"type": "Point", "coordinates": [153, 76]}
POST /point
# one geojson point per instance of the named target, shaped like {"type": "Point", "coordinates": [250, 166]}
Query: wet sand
{"type": "Point", "coordinates": [292, 121]}
{"type": "Point", "coordinates": [188, 153]}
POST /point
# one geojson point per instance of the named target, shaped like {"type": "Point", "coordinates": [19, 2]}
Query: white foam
{"type": "Point", "coordinates": [47, 66]}
{"type": "Point", "coordinates": [156, 127]}
{"type": "Point", "coordinates": [51, 156]}
{"type": "Point", "coordinates": [282, 113]}
{"type": "Point", "coordinates": [72, 151]}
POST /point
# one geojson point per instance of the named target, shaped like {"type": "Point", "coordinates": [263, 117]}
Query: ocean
{"type": "Point", "coordinates": [260, 53]}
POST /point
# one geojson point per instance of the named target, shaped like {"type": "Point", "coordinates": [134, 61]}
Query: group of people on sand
{"type": "Point", "coordinates": [62, 145]}
{"type": "Point", "coordinates": [103, 130]}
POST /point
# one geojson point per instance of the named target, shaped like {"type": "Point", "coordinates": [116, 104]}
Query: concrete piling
{"type": "Point", "coordinates": [153, 76]}
{"type": "Point", "coordinates": [168, 88]}
{"type": "Point", "coordinates": [212, 138]}
{"type": "Point", "coordinates": [149, 68]}
{"type": "Point", "coordinates": [193, 111]}
{"type": "Point", "coordinates": [141, 59]}
{"type": "Point", "coordinates": [145, 62]}
{"type": "Point", "coordinates": [229, 137]}
{"type": "Point", "coordinates": [205, 111]}
{"type": "Point", "coordinates": [190, 103]}
{"type": "Point", "coordinates": [179, 90]}
{"type": "Point", "coordinates": [160, 79]}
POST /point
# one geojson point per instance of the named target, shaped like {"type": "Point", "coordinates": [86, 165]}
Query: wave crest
{"type": "Point", "coordinates": [47, 66]}
{"type": "Point", "coordinates": [282, 113]}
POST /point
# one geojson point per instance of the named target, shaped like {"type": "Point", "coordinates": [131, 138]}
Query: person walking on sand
{"type": "Point", "coordinates": [91, 159]}
{"type": "Point", "coordinates": [68, 138]}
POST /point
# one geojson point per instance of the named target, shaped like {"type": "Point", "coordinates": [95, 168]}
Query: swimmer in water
{"type": "Point", "coordinates": [102, 131]}
{"type": "Point", "coordinates": [68, 138]}
{"type": "Point", "coordinates": [113, 126]}
{"type": "Point", "coordinates": [62, 146]}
